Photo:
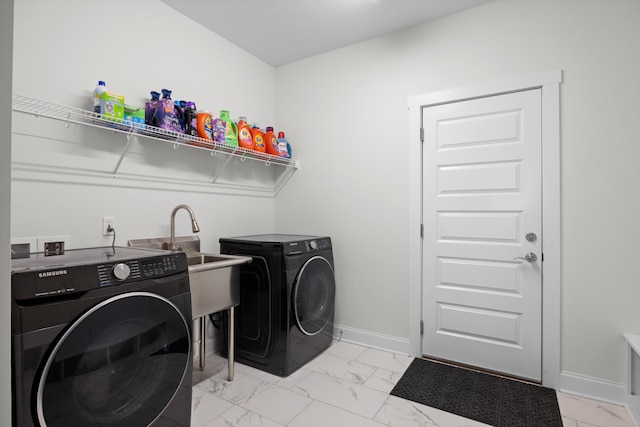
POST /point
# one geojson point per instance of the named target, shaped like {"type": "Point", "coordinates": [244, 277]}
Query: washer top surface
{"type": "Point", "coordinates": [272, 238]}
{"type": "Point", "coordinates": [87, 256]}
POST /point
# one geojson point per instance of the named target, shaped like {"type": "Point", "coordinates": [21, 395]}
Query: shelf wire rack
{"type": "Point", "coordinates": [40, 108]}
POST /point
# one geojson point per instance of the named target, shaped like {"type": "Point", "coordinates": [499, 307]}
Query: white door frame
{"type": "Point", "coordinates": [549, 83]}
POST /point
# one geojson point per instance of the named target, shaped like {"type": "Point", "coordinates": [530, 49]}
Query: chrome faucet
{"type": "Point", "coordinates": [194, 226]}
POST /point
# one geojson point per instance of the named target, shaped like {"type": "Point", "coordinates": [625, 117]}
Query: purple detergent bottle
{"type": "Point", "coordinates": [191, 119]}
{"type": "Point", "coordinates": [180, 107]}
{"type": "Point", "coordinates": [168, 114]}
{"type": "Point", "coordinates": [150, 109]}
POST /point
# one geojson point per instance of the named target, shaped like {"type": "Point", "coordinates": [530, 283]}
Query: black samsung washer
{"type": "Point", "coordinates": [287, 300]}
{"type": "Point", "coordinates": [101, 337]}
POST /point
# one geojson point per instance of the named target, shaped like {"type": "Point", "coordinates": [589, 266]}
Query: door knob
{"type": "Point", "coordinates": [531, 257]}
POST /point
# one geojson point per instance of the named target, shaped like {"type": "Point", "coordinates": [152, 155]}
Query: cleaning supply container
{"type": "Point", "coordinates": [258, 139]}
{"type": "Point", "coordinates": [230, 129]}
{"type": "Point", "coordinates": [97, 96]}
{"type": "Point", "coordinates": [150, 109]}
{"type": "Point", "coordinates": [245, 140]}
{"type": "Point", "coordinates": [204, 125]}
{"type": "Point", "coordinates": [271, 142]}
{"type": "Point", "coordinates": [191, 119]}
{"type": "Point", "coordinates": [168, 115]}
{"type": "Point", "coordinates": [283, 146]}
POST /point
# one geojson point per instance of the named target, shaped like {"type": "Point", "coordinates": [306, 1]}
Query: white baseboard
{"type": "Point", "coordinates": [371, 339]}
{"type": "Point", "coordinates": [343, 333]}
{"type": "Point", "coordinates": [576, 384]}
{"type": "Point", "coordinates": [593, 388]}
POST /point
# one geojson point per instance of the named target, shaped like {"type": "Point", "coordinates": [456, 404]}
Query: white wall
{"type": "Point", "coordinates": [346, 113]}
{"type": "Point", "coordinates": [346, 117]}
{"type": "Point", "coordinates": [58, 181]}
{"type": "Point", "coordinates": [6, 48]}
{"type": "Point", "coordinates": [135, 47]}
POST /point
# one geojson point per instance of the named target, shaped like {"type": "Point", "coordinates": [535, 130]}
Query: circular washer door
{"type": "Point", "coordinates": [118, 365]}
{"type": "Point", "coordinates": [314, 295]}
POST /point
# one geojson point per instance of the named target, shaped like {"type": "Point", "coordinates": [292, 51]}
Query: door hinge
{"type": "Point", "coordinates": [421, 134]}
{"type": "Point", "coordinates": [422, 231]}
{"type": "Point", "coordinates": [421, 327]}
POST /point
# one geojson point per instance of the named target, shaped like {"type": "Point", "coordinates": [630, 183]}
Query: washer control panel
{"type": "Point", "coordinates": [156, 267]}
{"type": "Point", "coordinates": [83, 270]}
{"type": "Point", "coordinates": [306, 246]}
{"type": "Point", "coordinates": [318, 244]}
{"type": "Point", "coordinates": [148, 268]}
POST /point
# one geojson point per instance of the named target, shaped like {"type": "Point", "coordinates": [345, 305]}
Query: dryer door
{"type": "Point", "coordinates": [314, 295]}
{"type": "Point", "coordinates": [118, 365]}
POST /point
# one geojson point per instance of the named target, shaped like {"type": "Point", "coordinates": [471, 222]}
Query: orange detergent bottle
{"type": "Point", "coordinates": [258, 139]}
{"type": "Point", "coordinates": [245, 139]}
{"type": "Point", "coordinates": [271, 142]}
{"type": "Point", "coordinates": [204, 125]}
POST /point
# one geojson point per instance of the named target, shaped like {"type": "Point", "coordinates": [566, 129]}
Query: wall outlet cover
{"type": "Point", "coordinates": [40, 242]}
{"type": "Point", "coordinates": [107, 223]}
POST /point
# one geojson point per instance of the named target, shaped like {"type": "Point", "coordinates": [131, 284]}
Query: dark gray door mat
{"type": "Point", "coordinates": [487, 398]}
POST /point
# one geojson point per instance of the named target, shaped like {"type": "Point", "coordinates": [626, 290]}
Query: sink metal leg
{"type": "Point", "coordinates": [231, 343]}
{"type": "Point", "coordinates": [203, 339]}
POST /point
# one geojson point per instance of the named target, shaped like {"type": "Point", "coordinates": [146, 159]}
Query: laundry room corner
{"type": "Point", "coordinates": [356, 185]}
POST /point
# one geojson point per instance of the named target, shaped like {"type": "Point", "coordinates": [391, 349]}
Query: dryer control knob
{"type": "Point", "coordinates": [313, 244]}
{"type": "Point", "coordinates": [121, 271]}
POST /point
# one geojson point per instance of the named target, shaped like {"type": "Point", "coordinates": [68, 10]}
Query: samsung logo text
{"type": "Point", "coordinates": [52, 273]}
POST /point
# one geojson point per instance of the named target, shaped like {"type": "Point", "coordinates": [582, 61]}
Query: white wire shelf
{"type": "Point", "coordinates": [41, 108]}
{"type": "Point", "coordinates": [38, 107]}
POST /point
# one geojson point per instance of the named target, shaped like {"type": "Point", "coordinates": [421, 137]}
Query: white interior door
{"type": "Point", "coordinates": [482, 300]}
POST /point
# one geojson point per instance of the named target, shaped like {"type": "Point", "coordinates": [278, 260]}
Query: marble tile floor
{"type": "Point", "coordinates": [347, 385]}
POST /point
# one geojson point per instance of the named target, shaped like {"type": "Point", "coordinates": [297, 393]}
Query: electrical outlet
{"type": "Point", "coordinates": [107, 223]}
{"type": "Point", "coordinates": [53, 248]}
{"type": "Point", "coordinates": [64, 241]}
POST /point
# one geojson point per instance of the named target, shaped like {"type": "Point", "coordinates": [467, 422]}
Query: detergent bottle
{"type": "Point", "coordinates": [258, 138]}
{"type": "Point", "coordinates": [97, 96]}
{"type": "Point", "coordinates": [190, 119]}
{"type": "Point", "coordinates": [283, 146]}
{"type": "Point", "coordinates": [168, 115]}
{"type": "Point", "coordinates": [150, 109]}
{"type": "Point", "coordinates": [204, 126]}
{"type": "Point", "coordinates": [230, 129]}
{"type": "Point", "coordinates": [271, 142]}
{"type": "Point", "coordinates": [245, 140]}
{"type": "Point", "coordinates": [181, 106]}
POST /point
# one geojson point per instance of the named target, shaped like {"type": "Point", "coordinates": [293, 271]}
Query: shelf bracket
{"type": "Point", "coordinates": [284, 178]}
{"type": "Point", "coordinates": [219, 172]}
{"type": "Point", "coordinates": [130, 137]}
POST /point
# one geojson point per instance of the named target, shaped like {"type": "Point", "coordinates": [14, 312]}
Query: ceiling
{"type": "Point", "coordinates": [283, 31]}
